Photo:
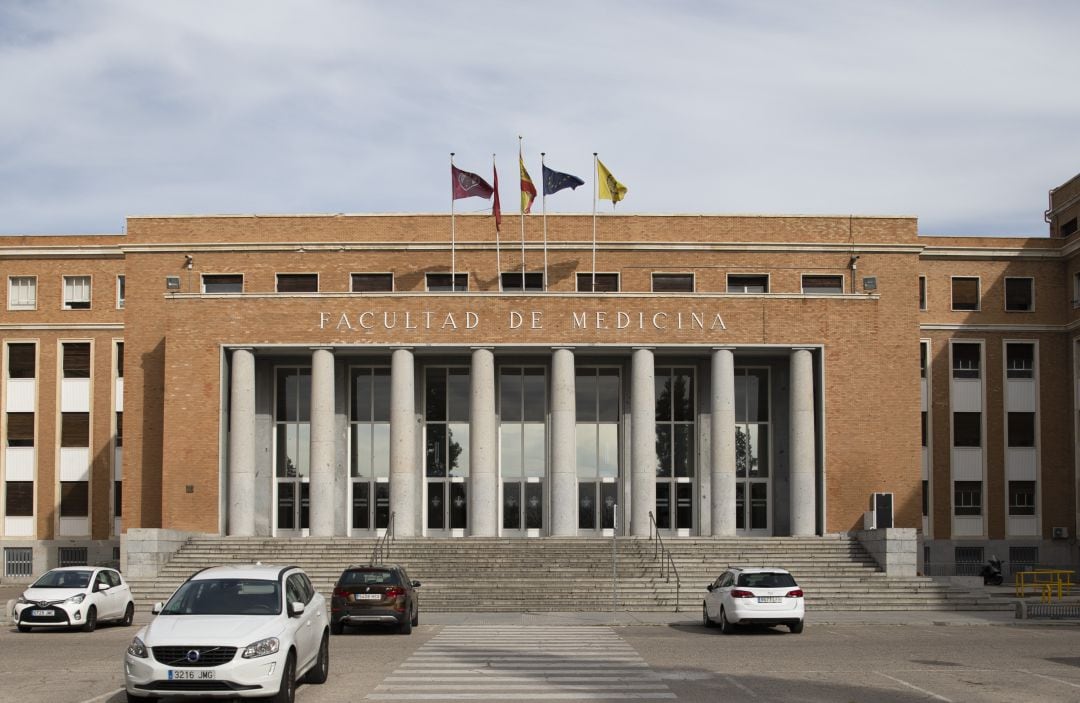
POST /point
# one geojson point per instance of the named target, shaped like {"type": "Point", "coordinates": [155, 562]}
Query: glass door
{"type": "Point", "coordinates": [369, 437]}
{"type": "Point", "coordinates": [598, 423]}
{"type": "Point", "coordinates": [753, 487]}
{"type": "Point", "coordinates": [675, 428]}
{"type": "Point", "coordinates": [522, 449]}
{"type": "Point", "coordinates": [446, 456]}
{"type": "Point", "coordinates": [292, 449]}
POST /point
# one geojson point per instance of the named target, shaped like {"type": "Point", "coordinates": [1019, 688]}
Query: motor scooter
{"type": "Point", "coordinates": [991, 573]}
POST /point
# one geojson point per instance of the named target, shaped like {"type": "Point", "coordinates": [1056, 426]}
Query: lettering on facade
{"type": "Point", "coordinates": [454, 321]}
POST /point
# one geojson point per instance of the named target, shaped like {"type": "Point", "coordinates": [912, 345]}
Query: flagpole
{"type": "Point", "coordinates": [596, 186]}
{"type": "Point", "coordinates": [498, 252]}
{"type": "Point", "coordinates": [453, 235]}
{"type": "Point", "coordinates": [521, 214]}
{"type": "Point", "coordinates": [543, 206]}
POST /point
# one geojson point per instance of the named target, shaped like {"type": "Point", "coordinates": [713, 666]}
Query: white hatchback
{"type": "Point", "coordinates": [232, 631]}
{"type": "Point", "coordinates": [75, 596]}
{"type": "Point", "coordinates": [754, 596]}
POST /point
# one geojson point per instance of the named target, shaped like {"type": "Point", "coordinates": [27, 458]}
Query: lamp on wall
{"type": "Point", "coordinates": [189, 262]}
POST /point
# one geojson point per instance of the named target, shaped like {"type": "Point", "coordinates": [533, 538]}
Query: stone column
{"type": "Point", "coordinates": [241, 517]}
{"type": "Point", "coordinates": [563, 444]}
{"type": "Point", "coordinates": [321, 522]}
{"type": "Point", "coordinates": [403, 469]}
{"type": "Point", "coordinates": [722, 445]}
{"type": "Point", "coordinates": [802, 463]}
{"type": "Point", "coordinates": [483, 446]}
{"type": "Point", "coordinates": [642, 441]}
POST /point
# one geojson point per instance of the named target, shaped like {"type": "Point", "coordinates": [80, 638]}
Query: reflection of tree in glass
{"type": "Point", "coordinates": [745, 457]}
{"type": "Point", "coordinates": [455, 451]}
{"type": "Point", "coordinates": [290, 467]}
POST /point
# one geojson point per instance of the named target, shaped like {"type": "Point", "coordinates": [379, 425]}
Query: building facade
{"type": "Point", "coordinates": [697, 375]}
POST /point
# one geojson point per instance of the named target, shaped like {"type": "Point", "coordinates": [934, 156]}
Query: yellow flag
{"type": "Point", "coordinates": [610, 189]}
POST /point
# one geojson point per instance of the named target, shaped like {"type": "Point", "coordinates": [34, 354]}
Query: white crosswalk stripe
{"type": "Point", "coordinates": [523, 664]}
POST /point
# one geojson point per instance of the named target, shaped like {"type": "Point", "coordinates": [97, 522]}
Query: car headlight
{"type": "Point", "coordinates": [21, 600]}
{"type": "Point", "coordinates": [262, 648]}
{"type": "Point", "coordinates": [75, 600]}
{"type": "Point", "coordinates": [137, 649]}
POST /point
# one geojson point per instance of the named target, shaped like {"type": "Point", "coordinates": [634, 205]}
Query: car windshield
{"type": "Point", "coordinates": [370, 577]}
{"type": "Point", "coordinates": [768, 579]}
{"type": "Point", "coordinates": [64, 579]}
{"type": "Point", "coordinates": [225, 597]}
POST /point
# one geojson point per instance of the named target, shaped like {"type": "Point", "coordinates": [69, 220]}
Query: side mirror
{"type": "Point", "coordinates": [296, 609]}
{"type": "Point", "coordinates": [157, 608]}
{"type": "Point", "coordinates": [102, 587]}
{"type": "Point", "coordinates": [416, 584]}
{"type": "Point", "coordinates": [710, 587]}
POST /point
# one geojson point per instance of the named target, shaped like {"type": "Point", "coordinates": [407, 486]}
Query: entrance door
{"type": "Point", "coordinates": [369, 441]}
{"type": "Point", "coordinates": [598, 424]}
{"type": "Point", "coordinates": [675, 465]}
{"type": "Point", "coordinates": [446, 456]}
{"type": "Point", "coordinates": [522, 449]}
{"type": "Point", "coordinates": [292, 449]}
{"type": "Point", "coordinates": [753, 489]}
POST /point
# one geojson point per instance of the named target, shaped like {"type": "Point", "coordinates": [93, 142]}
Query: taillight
{"type": "Point", "coordinates": [736, 593]}
{"type": "Point", "coordinates": [394, 592]}
{"type": "Point", "coordinates": [797, 593]}
{"type": "Point", "coordinates": [341, 593]}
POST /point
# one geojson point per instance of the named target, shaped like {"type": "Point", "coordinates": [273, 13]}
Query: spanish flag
{"type": "Point", "coordinates": [528, 190]}
{"type": "Point", "coordinates": [610, 189]}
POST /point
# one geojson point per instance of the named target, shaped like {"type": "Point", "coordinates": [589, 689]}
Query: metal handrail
{"type": "Point", "coordinates": [667, 561]}
{"type": "Point", "coordinates": [382, 545]}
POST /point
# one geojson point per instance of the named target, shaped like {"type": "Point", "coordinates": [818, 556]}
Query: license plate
{"type": "Point", "coordinates": [769, 599]}
{"type": "Point", "coordinates": [191, 674]}
{"type": "Point", "coordinates": [42, 613]}
{"type": "Point", "coordinates": [367, 596]}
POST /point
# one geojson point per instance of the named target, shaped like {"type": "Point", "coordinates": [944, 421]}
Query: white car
{"type": "Point", "coordinates": [75, 596]}
{"type": "Point", "coordinates": [232, 631]}
{"type": "Point", "coordinates": [754, 596]}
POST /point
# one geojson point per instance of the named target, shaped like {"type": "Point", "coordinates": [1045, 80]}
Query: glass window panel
{"type": "Point", "coordinates": [742, 450]}
{"type": "Point", "coordinates": [297, 282]}
{"type": "Point", "coordinates": [585, 394]}
{"type": "Point", "coordinates": [607, 387]}
{"type": "Point", "coordinates": [607, 459]}
{"type": "Point", "coordinates": [1021, 497]}
{"type": "Point", "coordinates": [759, 506]}
{"type": "Point", "coordinates": [382, 505]}
{"type": "Point", "coordinates": [74, 498]}
{"type": "Point", "coordinates": [20, 429]}
{"type": "Point", "coordinates": [534, 506]}
{"type": "Point", "coordinates": [510, 396]}
{"type": "Point", "coordinates": [222, 283]}
{"type": "Point", "coordinates": [1020, 360]}
{"type": "Point", "coordinates": [19, 500]}
{"type": "Point", "coordinates": [663, 395]}
{"type": "Point", "coordinates": [459, 394]}
{"type": "Point", "coordinates": [459, 507]}
{"type": "Point", "coordinates": [682, 395]}
{"type": "Point", "coordinates": [118, 499]}
{"type": "Point", "coordinates": [586, 450]}
{"type": "Point", "coordinates": [684, 505]}
{"type": "Point", "coordinates": [609, 502]}
{"type": "Point", "coordinates": [380, 446]}
{"type": "Point", "coordinates": [663, 505]}
{"type": "Point", "coordinates": [380, 389]}
{"type": "Point", "coordinates": [372, 282]}
{"type": "Point", "coordinates": [535, 391]}
{"type": "Point", "coordinates": [759, 444]}
{"type": "Point", "coordinates": [965, 293]}
{"type": "Point", "coordinates": [740, 396]}
{"type": "Point", "coordinates": [511, 463]}
{"type": "Point", "coordinates": [967, 429]}
{"type": "Point", "coordinates": [361, 406]}
{"type": "Point", "coordinates": [286, 505]}
{"type": "Point", "coordinates": [361, 505]}
{"type": "Point", "coordinates": [512, 506]}
{"type": "Point", "coordinates": [21, 361]}
{"type": "Point", "coordinates": [535, 449]}
{"type": "Point", "coordinates": [587, 506]}
{"type": "Point", "coordinates": [673, 282]}
{"type": "Point", "coordinates": [459, 449]}
{"type": "Point", "coordinates": [361, 439]}
{"type": "Point", "coordinates": [1021, 429]}
{"type": "Point", "coordinates": [683, 456]}
{"type": "Point", "coordinates": [77, 360]}
{"type": "Point", "coordinates": [435, 395]}
{"type": "Point", "coordinates": [75, 429]}
{"type": "Point", "coordinates": [740, 505]}
{"type": "Point", "coordinates": [1018, 294]}
{"type": "Point", "coordinates": [436, 505]}
{"type": "Point", "coordinates": [663, 450]}
{"type": "Point", "coordinates": [758, 395]}
{"type": "Point", "coordinates": [436, 450]}
{"type": "Point", "coordinates": [305, 505]}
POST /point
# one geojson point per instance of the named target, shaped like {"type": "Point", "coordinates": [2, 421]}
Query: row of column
{"type": "Point", "coordinates": [483, 444]}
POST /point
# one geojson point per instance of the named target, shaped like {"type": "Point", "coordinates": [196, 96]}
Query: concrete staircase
{"type": "Point", "coordinates": [555, 574]}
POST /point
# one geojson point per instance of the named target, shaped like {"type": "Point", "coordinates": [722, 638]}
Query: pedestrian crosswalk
{"type": "Point", "coordinates": [523, 664]}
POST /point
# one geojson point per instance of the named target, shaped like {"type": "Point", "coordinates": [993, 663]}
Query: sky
{"type": "Point", "coordinates": [961, 113]}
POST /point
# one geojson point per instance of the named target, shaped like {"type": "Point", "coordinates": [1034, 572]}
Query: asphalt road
{"type": "Point", "coordinates": [681, 660]}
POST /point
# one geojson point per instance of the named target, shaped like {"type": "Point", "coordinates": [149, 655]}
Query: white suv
{"type": "Point", "coordinates": [232, 631]}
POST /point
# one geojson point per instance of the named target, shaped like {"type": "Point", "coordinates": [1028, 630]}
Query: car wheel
{"type": "Point", "coordinates": [796, 628]}
{"type": "Point", "coordinates": [416, 617]}
{"type": "Point", "coordinates": [318, 673]}
{"type": "Point", "coordinates": [23, 628]}
{"type": "Point", "coordinates": [405, 628]}
{"type": "Point", "coordinates": [287, 689]}
{"type": "Point", "coordinates": [725, 625]}
{"type": "Point", "coordinates": [129, 615]}
{"type": "Point", "coordinates": [90, 624]}
{"type": "Point", "coordinates": [337, 628]}
{"type": "Point", "coordinates": [705, 619]}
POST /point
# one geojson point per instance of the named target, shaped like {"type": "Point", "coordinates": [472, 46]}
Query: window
{"type": "Point", "coordinates": [74, 429]}
{"type": "Point", "coordinates": [924, 353]}
{"type": "Point", "coordinates": [20, 429]}
{"type": "Point", "coordinates": [22, 293]}
{"type": "Point", "coordinates": [823, 285]}
{"type": "Point", "coordinates": [924, 436]}
{"type": "Point", "coordinates": [372, 283]}
{"type": "Point", "coordinates": [1019, 294]}
{"type": "Point", "coordinates": [77, 360]}
{"type": "Point", "coordinates": [967, 497]}
{"type": "Point", "coordinates": [19, 501]}
{"type": "Point", "coordinates": [1021, 429]}
{"type": "Point", "coordinates": [1021, 497]}
{"type": "Point", "coordinates": [925, 499]}
{"type": "Point", "coordinates": [21, 360]}
{"type": "Point", "coordinates": [119, 429]}
{"type": "Point", "coordinates": [440, 282]}
{"type": "Point", "coordinates": [369, 424]}
{"type": "Point", "coordinates": [969, 560]}
{"type": "Point", "coordinates": [74, 498]}
{"type": "Point", "coordinates": [966, 360]}
{"type": "Point", "coordinates": [1023, 558]}
{"type": "Point", "coordinates": [18, 562]}
{"type": "Point", "coordinates": [119, 359]}
{"type": "Point", "coordinates": [298, 283]}
{"type": "Point", "coordinates": [533, 281]}
{"type": "Point", "coordinates": [965, 293]}
{"type": "Point", "coordinates": [604, 282]}
{"type": "Point", "coordinates": [747, 283]}
{"type": "Point", "coordinates": [522, 446]}
{"type": "Point", "coordinates": [1020, 360]}
{"type": "Point", "coordinates": [922, 292]}
{"type": "Point", "coordinates": [222, 283]}
{"type": "Point", "coordinates": [1076, 290]}
{"type": "Point", "coordinates": [120, 284]}
{"type": "Point", "coordinates": [673, 283]}
{"type": "Point", "coordinates": [76, 292]}
{"type": "Point", "coordinates": [967, 429]}
{"type": "Point", "coordinates": [1068, 228]}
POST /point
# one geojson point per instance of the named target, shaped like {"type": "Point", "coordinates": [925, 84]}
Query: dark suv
{"type": "Point", "coordinates": [375, 594]}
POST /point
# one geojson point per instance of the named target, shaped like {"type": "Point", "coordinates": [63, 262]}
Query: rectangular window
{"type": "Point", "coordinates": [372, 283]}
{"type": "Point", "coordinates": [924, 436]}
{"type": "Point", "coordinates": [1068, 228]}
{"type": "Point", "coordinates": [222, 283]}
{"type": "Point", "coordinates": [76, 292]}
{"type": "Point", "coordinates": [1020, 360]}
{"type": "Point", "coordinates": [965, 293]}
{"type": "Point", "coordinates": [1021, 429]}
{"type": "Point", "coordinates": [76, 360]}
{"type": "Point", "coordinates": [21, 360]}
{"type": "Point", "coordinates": [120, 285]}
{"type": "Point", "coordinates": [966, 358]}
{"type": "Point", "coordinates": [967, 497]}
{"type": "Point", "coordinates": [119, 429]}
{"type": "Point", "coordinates": [20, 429]}
{"type": "Point", "coordinates": [512, 281]}
{"type": "Point", "coordinates": [118, 499]}
{"type": "Point", "coordinates": [924, 354]}
{"type": "Point", "coordinates": [19, 501]}
{"type": "Point", "coordinates": [1021, 497]}
{"type": "Point", "coordinates": [298, 283]}
{"type": "Point", "coordinates": [74, 498]}
{"type": "Point", "coordinates": [75, 430]}
{"type": "Point", "coordinates": [967, 429]}
{"type": "Point", "coordinates": [119, 359]}
{"type": "Point", "coordinates": [440, 282]}
{"type": "Point", "coordinates": [747, 283]}
{"type": "Point", "coordinates": [922, 292]}
{"type": "Point", "coordinates": [822, 285]}
{"type": "Point", "coordinates": [969, 560]}
{"type": "Point", "coordinates": [18, 562]}
{"type": "Point", "coordinates": [925, 498]}
{"type": "Point", "coordinates": [1023, 558]}
{"type": "Point", "coordinates": [673, 283]}
{"type": "Point", "coordinates": [1076, 290]}
{"type": "Point", "coordinates": [1019, 294]}
{"type": "Point", "coordinates": [604, 283]}
{"type": "Point", "coordinates": [22, 293]}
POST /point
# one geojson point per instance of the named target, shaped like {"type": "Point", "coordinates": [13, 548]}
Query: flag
{"type": "Point", "coordinates": [495, 209]}
{"type": "Point", "coordinates": [555, 181]}
{"type": "Point", "coordinates": [610, 189]}
{"type": "Point", "coordinates": [528, 190]}
{"type": "Point", "coordinates": [467, 185]}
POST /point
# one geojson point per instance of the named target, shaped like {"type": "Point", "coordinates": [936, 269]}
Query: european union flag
{"type": "Point", "coordinates": [554, 181]}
